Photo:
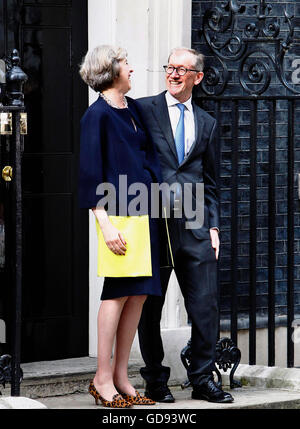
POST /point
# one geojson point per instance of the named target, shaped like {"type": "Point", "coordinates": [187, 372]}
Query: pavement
{"type": "Point", "coordinates": [62, 385]}
{"type": "Point", "coordinates": [244, 398]}
{"type": "Point", "coordinates": [80, 408]}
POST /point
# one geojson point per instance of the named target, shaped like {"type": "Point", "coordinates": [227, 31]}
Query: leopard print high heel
{"type": "Point", "coordinates": [138, 399]}
{"type": "Point", "coordinates": [117, 401]}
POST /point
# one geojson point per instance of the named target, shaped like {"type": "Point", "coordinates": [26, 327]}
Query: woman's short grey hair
{"type": "Point", "coordinates": [101, 66]}
{"type": "Point", "coordinates": [199, 58]}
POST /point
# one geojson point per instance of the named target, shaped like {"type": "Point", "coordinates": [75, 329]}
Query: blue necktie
{"type": "Point", "coordinates": [179, 135]}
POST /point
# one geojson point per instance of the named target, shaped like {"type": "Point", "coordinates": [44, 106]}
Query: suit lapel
{"type": "Point", "coordinates": [161, 113]}
{"type": "Point", "coordinates": [199, 123]}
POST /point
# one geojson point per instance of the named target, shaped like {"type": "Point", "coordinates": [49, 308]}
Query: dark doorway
{"type": "Point", "coordinates": [51, 37]}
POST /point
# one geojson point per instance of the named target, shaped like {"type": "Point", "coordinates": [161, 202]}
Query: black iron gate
{"type": "Point", "coordinates": [251, 86]}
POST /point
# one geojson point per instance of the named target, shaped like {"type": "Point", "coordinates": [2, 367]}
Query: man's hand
{"type": "Point", "coordinates": [215, 241]}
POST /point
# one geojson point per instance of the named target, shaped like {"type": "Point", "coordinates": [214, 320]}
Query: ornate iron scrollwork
{"type": "Point", "coordinates": [214, 82]}
{"type": "Point", "coordinates": [215, 20]}
{"type": "Point", "coordinates": [258, 72]}
{"type": "Point", "coordinates": [227, 356]}
{"type": "Point", "coordinates": [185, 356]}
{"type": "Point", "coordinates": [263, 26]}
{"type": "Point", "coordinates": [5, 370]}
{"type": "Point", "coordinates": [245, 44]}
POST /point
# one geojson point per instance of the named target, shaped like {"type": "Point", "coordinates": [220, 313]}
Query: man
{"type": "Point", "coordinates": [184, 136]}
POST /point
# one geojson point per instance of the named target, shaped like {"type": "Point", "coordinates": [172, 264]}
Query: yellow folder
{"type": "Point", "coordinates": [137, 260]}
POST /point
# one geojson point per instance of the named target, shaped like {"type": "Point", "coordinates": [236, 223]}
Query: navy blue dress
{"type": "Point", "coordinates": [110, 146]}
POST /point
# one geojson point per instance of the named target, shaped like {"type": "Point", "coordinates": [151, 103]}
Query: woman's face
{"type": "Point", "coordinates": [123, 81]}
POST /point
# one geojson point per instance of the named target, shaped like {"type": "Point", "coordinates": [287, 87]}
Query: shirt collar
{"type": "Point", "coordinates": [172, 101]}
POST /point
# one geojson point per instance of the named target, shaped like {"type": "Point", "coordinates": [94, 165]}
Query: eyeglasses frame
{"type": "Point", "coordinates": [176, 68]}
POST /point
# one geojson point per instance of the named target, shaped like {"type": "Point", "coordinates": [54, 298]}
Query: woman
{"type": "Point", "coordinates": [114, 143]}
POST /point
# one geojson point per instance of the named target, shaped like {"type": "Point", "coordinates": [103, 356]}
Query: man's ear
{"type": "Point", "coordinates": [200, 76]}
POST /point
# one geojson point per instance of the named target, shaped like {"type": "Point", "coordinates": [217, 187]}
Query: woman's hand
{"type": "Point", "coordinates": [112, 236]}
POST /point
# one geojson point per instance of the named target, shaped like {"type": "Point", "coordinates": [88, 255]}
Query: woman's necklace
{"type": "Point", "coordinates": [108, 101]}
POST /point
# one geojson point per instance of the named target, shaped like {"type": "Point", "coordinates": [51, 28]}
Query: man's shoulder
{"type": "Point", "coordinates": [145, 101]}
{"type": "Point", "coordinates": [206, 116]}
{"type": "Point", "coordinates": [151, 99]}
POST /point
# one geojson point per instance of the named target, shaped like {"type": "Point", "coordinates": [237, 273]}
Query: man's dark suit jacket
{"type": "Point", "coordinates": [199, 166]}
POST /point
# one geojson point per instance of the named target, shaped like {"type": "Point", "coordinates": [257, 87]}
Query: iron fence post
{"type": "Point", "coordinates": [15, 80]}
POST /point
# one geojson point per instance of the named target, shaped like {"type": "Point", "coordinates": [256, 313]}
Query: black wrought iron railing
{"type": "Point", "coordinates": [269, 221]}
{"type": "Point", "coordinates": [252, 89]}
{"type": "Point", "coordinates": [13, 127]}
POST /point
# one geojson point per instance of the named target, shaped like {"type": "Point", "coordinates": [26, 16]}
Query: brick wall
{"type": "Point", "coordinates": [282, 126]}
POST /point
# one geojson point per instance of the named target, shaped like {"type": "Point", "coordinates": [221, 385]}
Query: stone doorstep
{"type": "Point", "coordinates": [62, 377]}
{"type": "Point", "coordinates": [67, 376]}
{"type": "Point", "coordinates": [20, 402]}
{"type": "Point", "coordinates": [268, 377]}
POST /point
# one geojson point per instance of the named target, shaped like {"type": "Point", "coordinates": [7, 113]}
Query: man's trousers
{"type": "Point", "coordinates": [196, 272]}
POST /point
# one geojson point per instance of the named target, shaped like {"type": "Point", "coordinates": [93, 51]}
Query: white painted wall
{"type": "Point", "coordinates": [148, 30]}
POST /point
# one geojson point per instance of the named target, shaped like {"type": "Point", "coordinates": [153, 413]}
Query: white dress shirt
{"type": "Point", "coordinates": [189, 122]}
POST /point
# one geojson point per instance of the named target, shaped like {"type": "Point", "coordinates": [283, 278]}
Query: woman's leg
{"type": "Point", "coordinates": [127, 328]}
{"type": "Point", "coordinates": [108, 320]}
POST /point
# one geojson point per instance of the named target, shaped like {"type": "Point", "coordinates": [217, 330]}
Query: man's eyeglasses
{"type": "Point", "coordinates": [180, 70]}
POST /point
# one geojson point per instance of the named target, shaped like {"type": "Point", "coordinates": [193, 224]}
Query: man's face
{"type": "Point", "coordinates": [181, 86]}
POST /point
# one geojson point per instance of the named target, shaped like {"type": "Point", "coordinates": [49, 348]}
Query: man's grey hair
{"type": "Point", "coordinates": [199, 58]}
{"type": "Point", "coordinates": [101, 66]}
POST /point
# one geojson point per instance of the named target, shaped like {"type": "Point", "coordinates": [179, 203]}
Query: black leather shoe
{"type": "Point", "coordinates": [159, 393]}
{"type": "Point", "coordinates": [210, 392]}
